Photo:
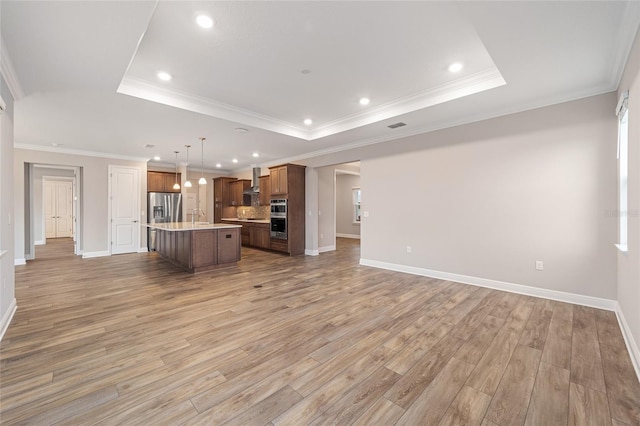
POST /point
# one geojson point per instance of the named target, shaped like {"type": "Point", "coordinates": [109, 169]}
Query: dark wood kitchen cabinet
{"type": "Point", "coordinates": [288, 181]}
{"type": "Point", "coordinates": [279, 177]}
{"type": "Point", "coordinates": [161, 181]}
{"type": "Point", "coordinates": [197, 250]}
{"type": "Point", "coordinates": [265, 190]}
{"type": "Point", "coordinates": [222, 197]}
{"type": "Point", "coordinates": [237, 188]}
{"type": "Point", "coordinates": [260, 235]}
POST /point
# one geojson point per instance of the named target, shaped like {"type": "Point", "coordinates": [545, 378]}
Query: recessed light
{"type": "Point", "coordinates": [235, 160]}
{"type": "Point", "coordinates": [55, 144]}
{"type": "Point", "coordinates": [204, 21]}
{"type": "Point", "coordinates": [256, 155]}
{"type": "Point", "coordinates": [218, 165]}
{"type": "Point", "coordinates": [364, 101]}
{"type": "Point", "coordinates": [308, 121]}
{"type": "Point", "coordinates": [241, 130]}
{"type": "Point", "coordinates": [157, 158]}
{"type": "Point", "coordinates": [164, 76]}
{"type": "Point", "coordinates": [455, 67]}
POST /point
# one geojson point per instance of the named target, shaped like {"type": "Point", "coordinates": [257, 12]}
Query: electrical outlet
{"type": "Point", "coordinates": [321, 235]}
{"type": "Point", "coordinates": [539, 265]}
{"type": "Point", "coordinates": [408, 249]}
{"type": "Point", "coordinates": [366, 214]}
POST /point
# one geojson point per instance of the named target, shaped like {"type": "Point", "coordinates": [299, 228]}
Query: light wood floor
{"type": "Point", "coordinates": [132, 340]}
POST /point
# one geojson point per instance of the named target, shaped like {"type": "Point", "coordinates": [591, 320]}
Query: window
{"type": "Point", "coordinates": [355, 192]}
{"type": "Point", "coordinates": [623, 169]}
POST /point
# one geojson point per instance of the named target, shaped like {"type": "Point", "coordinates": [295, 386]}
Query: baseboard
{"type": "Point", "coordinates": [311, 252]}
{"type": "Point", "coordinates": [577, 299]}
{"type": "Point", "coordinates": [632, 346]}
{"type": "Point", "coordinates": [143, 250]}
{"type": "Point", "coordinates": [39, 243]}
{"type": "Point", "coordinates": [7, 317]}
{"type": "Point", "coordinates": [354, 236]}
{"type": "Point", "coordinates": [17, 262]}
{"type": "Point", "coordinates": [90, 254]}
{"type": "Point", "coordinates": [326, 248]}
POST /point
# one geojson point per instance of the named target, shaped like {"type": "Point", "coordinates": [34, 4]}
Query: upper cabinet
{"type": "Point", "coordinates": [265, 190]}
{"type": "Point", "coordinates": [237, 188]}
{"type": "Point", "coordinates": [279, 180]}
{"type": "Point", "coordinates": [162, 182]}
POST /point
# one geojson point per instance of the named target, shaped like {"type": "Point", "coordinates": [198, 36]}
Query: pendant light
{"type": "Point", "coordinates": [187, 183]}
{"type": "Point", "coordinates": [176, 185]}
{"type": "Point", "coordinates": [202, 180]}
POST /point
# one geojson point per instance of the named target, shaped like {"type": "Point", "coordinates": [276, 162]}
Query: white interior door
{"type": "Point", "coordinates": [125, 201]}
{"type": "Point", "coordinates": [64, 207]}
{"type": "Point", "coordinates": [50, 209]}
{"type": "Point", "coordinates": [58, 207]}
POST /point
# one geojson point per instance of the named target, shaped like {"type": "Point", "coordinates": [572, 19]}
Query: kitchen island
{"type": "Point", "coordinates": [198, 247]}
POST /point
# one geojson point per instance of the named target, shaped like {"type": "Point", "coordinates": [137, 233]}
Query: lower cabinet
{"type": "Point", "coordinates": [256, 235]}
{"type": "Point", "coordinates": [200, 250]}
{"type": "Point", "coordinates": [260, 236]}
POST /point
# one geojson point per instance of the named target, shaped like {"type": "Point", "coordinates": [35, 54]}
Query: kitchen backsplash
{"type": "Point", "coordinates": [257, 212]}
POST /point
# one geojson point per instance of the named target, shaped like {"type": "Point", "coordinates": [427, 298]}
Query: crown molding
{"type": "Point", "coordinates": [475, 83]}
{"type": "Point", "coordinates": [59, 150]}
{"type": "Point", "coordinates": [445, 124]}
{"type": "Point", "coordinates": [626, 31]}
{"type": "Point", "coordinates": [143, 89]}
{"type": "Point", "coordinates": [9, 73]}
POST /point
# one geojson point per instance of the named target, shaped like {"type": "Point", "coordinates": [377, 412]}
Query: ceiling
{"type": "Point", "coordinates": [85, 73]}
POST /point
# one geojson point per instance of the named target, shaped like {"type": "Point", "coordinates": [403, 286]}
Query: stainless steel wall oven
{"type": "Point", "coordinates": [279, 219]}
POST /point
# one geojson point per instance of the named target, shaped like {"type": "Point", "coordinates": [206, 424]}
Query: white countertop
{"type": "Point", "coordinates": [188, 226]}
{"type": "Point", "coordinates": [235, 219]}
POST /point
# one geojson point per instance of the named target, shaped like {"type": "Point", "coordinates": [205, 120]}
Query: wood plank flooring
{"type": "Point", "coordinates": [280, 340]}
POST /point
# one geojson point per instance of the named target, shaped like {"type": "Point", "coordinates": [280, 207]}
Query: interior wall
{"type": "Point", "coordinates": [94, 196]}
{"type": "Point", "coordinates": [628, 288]}
{"type": "Point", "coordinates": [344, 205]}
{"type": "Point", "coordinates": [489, 199]}
{"type": "Point", "coordinates": [38, 190]}
{"type": "Point", "coordinates": [7, 218]}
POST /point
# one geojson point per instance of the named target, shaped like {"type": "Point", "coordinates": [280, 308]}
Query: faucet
{"type": "Point", "coordinates": [195, 212]}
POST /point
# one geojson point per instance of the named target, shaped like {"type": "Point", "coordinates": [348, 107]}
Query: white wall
{"type": "Point", "coordinates": [38, 208]}
{"type": "Point", "coordinates": [94, 196]}
{"type": "Point", "coordinates": [629, 263]}
{"type": "Point", "coordinates": [344, 205]}
{"type": "Point", "coordinates": [7, 219]}
{"type": "Point", "coordinates": [488, 199]}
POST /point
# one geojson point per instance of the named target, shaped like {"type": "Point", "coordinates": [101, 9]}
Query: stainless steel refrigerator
{"type": "Point", "coordinates": [163, 207]}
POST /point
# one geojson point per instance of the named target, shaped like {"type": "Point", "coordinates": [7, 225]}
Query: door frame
{"type": "Point", "coordinates": [46, 179]}
{"type": "Point", "coordinates": [77, 205]}
{"type": "Point", "coordinates": [110, 204]}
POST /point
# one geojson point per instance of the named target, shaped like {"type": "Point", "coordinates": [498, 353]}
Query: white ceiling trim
{"type": "Point", "coordinates": [475, 83]}
{"type": "Point", "coordinates": [143, 89]}
{"type": "Point", "coordinates": [9, 73]}
{"type": "Point", "coordinates": [626, 31]}
{"type": "Point", "coordinates": [59, 150]}
{"type": "Point", "coordinates": [432, 127]}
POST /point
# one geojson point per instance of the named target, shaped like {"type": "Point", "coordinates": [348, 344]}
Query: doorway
{"type": "Point", "coordinates": [58, 208]}
{"type": "Point", "coordinates": [53, 207]}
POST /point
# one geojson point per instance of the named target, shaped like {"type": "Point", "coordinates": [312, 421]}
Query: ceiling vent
{"type": "Point", "coordinates": [396, 125]}
{"type": "Point", "coordinates": [149, 145]}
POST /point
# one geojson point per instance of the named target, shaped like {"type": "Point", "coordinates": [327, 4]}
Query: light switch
{"type": "Point", "coordinates": [366, 214]}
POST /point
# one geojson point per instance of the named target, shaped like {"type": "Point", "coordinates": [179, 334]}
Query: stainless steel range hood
{"type": "Point", "coordinates": [255, 188]}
